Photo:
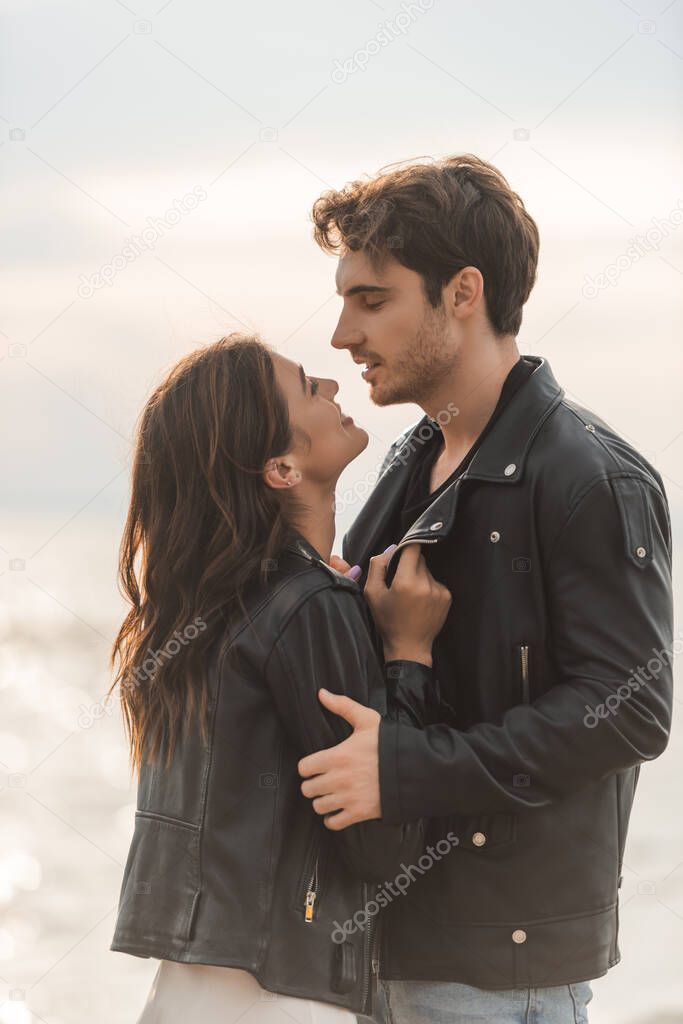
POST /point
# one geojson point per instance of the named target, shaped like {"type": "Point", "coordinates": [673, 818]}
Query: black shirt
{"type": "Point", "coordinates": [418, 497]}
{"type": "Point", "coordinates": [440, 558]}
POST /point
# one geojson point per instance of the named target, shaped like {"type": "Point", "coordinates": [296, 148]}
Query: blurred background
{"type": "Point", "coordinates": [159, 162]}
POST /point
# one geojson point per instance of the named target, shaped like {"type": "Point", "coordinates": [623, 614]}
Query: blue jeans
{"type": "Point", "coordinates": [447, 1002]}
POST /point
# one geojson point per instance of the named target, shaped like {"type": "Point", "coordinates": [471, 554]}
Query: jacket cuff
{"type": "Point", "coordinates": [388, 773]}
{"type": "Point", "coordinates": [412, 694]}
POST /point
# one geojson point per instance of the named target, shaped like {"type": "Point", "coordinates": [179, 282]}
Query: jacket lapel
{"type": "Point", "coordinates": [500, 459]}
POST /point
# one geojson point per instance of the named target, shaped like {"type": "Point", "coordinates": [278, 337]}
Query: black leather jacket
{"type": "Point", "coordinates": [558, 669]}
{"type": "Point", "coordinates": [229, 864]}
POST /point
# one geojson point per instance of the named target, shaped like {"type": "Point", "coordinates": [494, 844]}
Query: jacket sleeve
{"type": "Point", "coordinates": [608, 704]}
{"type": "Point", "coordinates": [327, 642]}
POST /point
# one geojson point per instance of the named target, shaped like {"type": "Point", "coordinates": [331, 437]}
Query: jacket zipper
{"type": "Point", "coordinates": [417, 540]}
{"type": "Point", "coordinates": [524, 665]}
{"type": "Point", "coordinates": [370, 962]}
{"type": "Point", "coordinates": [311, 894]}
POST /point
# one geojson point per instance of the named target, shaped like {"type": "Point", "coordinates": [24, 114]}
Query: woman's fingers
{"type": "Point", "coordinates": [411, 563]}
{"type": "Point", "coordinates": [377, 570]}
{"type": "Point", "coordinates": [338, 563]}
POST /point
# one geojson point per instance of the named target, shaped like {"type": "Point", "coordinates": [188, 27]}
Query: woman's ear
{"type": "Point", "coordinates": [280, 475]}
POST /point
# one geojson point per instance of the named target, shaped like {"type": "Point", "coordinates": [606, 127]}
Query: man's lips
{"type": "Point", "coordinates": [369, 373]}
{"type": "Point", "coordinates": [370, 367]}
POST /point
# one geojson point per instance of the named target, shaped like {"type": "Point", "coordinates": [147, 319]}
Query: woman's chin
{"type": "Point", "coordinates": [363, 438]}
{"type": "Point", "coordinates": [357, 442]}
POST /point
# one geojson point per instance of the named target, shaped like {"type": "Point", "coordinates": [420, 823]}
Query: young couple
{"type": "Point", "coordinates": [438, 835]}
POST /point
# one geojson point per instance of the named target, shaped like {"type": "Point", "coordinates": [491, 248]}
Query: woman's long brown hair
{"type": "Point", "coordinates": [202, 526]}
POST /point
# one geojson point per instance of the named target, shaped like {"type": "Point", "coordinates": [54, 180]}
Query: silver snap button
{"type": "Point", "coordinates": [641, 552]}
{"type": "Point", "coordinates": [478, 838]}
{"type": "Point", "coordinates": [509, 470]}
{"type": "Point", "coordinates": [494, 536]}
{"type": "Point", "coordinates": [589, 426]}
{"type": "Point", "coordinates": [519, 936]}
{"type": "Point", "coordinates": [436, 526]}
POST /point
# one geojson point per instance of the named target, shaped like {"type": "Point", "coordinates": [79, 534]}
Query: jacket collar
{"type": "Point", "coordinates": [500, 459]}
{"type": "Point", "coordinates": [298, 545]}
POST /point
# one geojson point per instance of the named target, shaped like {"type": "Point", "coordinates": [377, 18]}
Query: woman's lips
{"type": "Point", "coordinates": [347, 421]}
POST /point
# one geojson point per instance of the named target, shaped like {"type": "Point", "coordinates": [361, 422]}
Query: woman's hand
{"type": "Point", "coordinates": [338, 563]}
{"type": "Point", "coordinates": [410, 612]}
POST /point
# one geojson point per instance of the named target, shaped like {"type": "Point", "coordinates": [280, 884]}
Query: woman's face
{"type": "Point", "coordinates": [335, 440]}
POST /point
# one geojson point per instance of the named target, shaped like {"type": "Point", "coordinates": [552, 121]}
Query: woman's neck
{"type": "Point", "coordinates": [316, 520]}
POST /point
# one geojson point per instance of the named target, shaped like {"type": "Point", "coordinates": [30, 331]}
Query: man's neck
{"type": "Point", "coordinates": [473, 389]}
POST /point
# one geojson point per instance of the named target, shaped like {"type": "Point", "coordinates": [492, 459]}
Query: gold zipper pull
{"type": "Point", "coordinates": [310, 900]}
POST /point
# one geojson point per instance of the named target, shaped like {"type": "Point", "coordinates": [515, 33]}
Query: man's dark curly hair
{"type": "Point", "coordinates": [436, 218]}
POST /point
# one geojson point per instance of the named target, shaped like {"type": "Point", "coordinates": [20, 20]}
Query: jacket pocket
{"type": "Point", "coordinates": [161, 882]}
{"type": "Point", "coordinates": [344, 974]}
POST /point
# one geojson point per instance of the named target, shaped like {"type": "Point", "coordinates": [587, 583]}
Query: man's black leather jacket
{"type": "Point", "coordinates": [229, 864]}
{"type": "Point", "coordinates": [555, 544]}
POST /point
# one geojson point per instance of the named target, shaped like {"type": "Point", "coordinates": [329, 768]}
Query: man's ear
{"type": "Point", "coordinates": [463, 292]}
{"type": "Point", "coordinates": [280, 474]}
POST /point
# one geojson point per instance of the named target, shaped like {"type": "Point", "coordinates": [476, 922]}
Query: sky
{"type": "Point", "coordinates": [113, 114]}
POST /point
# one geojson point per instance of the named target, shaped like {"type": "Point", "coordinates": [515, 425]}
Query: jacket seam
{"type": "Point", "coordinates": [588, 487]}
{"type": "Point", "coordinates": [600, 441]}
{"type": "Point", "coordinates": [324, 585]}
{"type": "Point", "coordinates": [212, 742]}
{"type": "Point", "coordinates": [168, 818]}
{"type": "Point", "coordinates": [264, 945]}
{"type": "Point", "coordinates": [257, 611]}
{"type": "Point", "coordinates": [530, 922]}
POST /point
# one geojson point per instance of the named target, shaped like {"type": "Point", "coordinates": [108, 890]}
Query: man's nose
{"type": "Point", "coordinates": [345, 334]}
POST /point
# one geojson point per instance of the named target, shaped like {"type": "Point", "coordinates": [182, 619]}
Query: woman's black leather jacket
{"type": "Point", "coordinates": [229, 864]}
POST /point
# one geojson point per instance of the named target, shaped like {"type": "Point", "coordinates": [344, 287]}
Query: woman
{"type": "Point", "coordinates": [255, 909]}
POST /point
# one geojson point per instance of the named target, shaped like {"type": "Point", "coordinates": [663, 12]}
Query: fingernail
{"type": "Point", "coordinates": [354, 572]}
{"type": "Point", "coordinates": [392, 547]}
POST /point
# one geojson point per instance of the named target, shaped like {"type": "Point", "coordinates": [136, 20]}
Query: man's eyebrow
{"type": "Point", "coordinates": [302, 375]}
{"type": "Point", "coordinates": [363, 288]}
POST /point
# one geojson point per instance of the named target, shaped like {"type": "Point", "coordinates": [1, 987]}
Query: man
{"type": "Point", "coordinates": [554, 664]}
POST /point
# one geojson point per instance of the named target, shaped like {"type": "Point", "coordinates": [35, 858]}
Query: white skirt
{"type": "Point", "coordinates": [224, 995]}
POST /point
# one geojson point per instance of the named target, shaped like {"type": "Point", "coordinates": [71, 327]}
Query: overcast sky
{"type": "Point", "coordinates": [115, 113]}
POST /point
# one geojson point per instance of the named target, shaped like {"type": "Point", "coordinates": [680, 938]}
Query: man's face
{"type": "Point", "coordinates": [388, 323]}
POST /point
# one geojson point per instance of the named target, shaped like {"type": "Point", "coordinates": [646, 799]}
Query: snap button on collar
{"type": "Point", "coordinates": [509, 470]}
{"type": "Point", "coordinates": [436, 526]}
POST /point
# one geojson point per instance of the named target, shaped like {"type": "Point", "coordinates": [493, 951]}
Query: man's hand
{"type": "Point", "coordinates": [345, 778]}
